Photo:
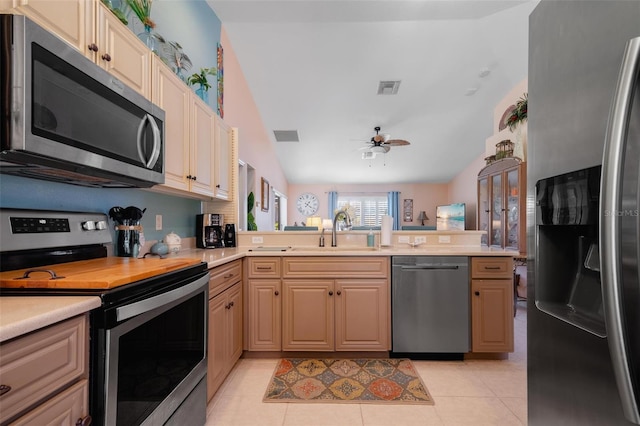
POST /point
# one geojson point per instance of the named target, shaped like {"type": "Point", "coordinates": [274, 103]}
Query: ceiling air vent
{"type": "Point", "coordinates": [389, 87]}
{"type": "Point", "coordinates": [286, 135]}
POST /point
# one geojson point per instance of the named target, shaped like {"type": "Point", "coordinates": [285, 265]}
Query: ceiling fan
{"type": "Point", "coordinates": [380, 144]}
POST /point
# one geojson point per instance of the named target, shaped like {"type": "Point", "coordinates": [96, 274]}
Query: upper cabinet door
{"type": "Point", "coordinates": [223, 160]}
{"type": "Point", "coordinates": [71, 20]}
{"type": "Point", "coordinates": [122, 53]}
{"type": "Point", "coordinates": [173, 96]}
{"type": "Point", "coordinates": [202, 140]}
{"type": "Point", "coordinates": [483, 209]}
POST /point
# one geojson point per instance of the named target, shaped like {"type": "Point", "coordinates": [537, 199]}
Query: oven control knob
{"type": "Point", "coordinates": [101, 225]}
{"type": "Point", "coordinates": [89, 225]}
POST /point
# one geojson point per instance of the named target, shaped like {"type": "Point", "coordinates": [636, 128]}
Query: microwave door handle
{"type": "Point", "coordinates": [610, 202]}
{"type": "Point", "coordinates": [156, 141]}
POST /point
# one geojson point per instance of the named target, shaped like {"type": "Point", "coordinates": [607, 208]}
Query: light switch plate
{"type": "Point", "coordinates": [403, 239]}
{"type": "Point", "coordinates": [444, 239]}
{"type": "Point", "coordinates": [158, 222]}
{"type": "Point", "coordinates": [420, 240]}
{"type": "Point", "coordinates": [257, 240]}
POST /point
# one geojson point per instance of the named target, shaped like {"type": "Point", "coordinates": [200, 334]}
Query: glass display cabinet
{"type": "Point", "coordinates": [501, 204]}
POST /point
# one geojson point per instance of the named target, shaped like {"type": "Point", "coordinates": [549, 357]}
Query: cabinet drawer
{"type": "Point", "coordinates": [66, 408]}
{"type": "Point", "coordinates": [491, 267]}
{"type": "Point", "coordinates": [264, 267]}
{"type": "Point", "coordinates": [336, 267]}
{"type": "Point", "coordinates": [224, 276]}
{"type": "Point", "coordinates": [40, 363]}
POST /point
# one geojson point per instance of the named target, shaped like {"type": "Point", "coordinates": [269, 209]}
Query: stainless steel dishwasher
{"type": "Point", "coordinates": [430, 304]}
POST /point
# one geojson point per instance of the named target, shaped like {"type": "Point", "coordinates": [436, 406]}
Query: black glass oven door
{"type": "Point", "coordinates": [156, 355]}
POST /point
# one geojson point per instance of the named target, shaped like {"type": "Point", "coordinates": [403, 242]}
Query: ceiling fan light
{"type": "Point", "coordinates": [378, 149]}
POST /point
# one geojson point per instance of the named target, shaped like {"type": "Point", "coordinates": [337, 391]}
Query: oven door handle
{"type": "Point", "coordinates": [146, 305]}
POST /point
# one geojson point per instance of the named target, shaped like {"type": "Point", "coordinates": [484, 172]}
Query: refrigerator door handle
{"type": "Point", "coordinates": [610, 203]}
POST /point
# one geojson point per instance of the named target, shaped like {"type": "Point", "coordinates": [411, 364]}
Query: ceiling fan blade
{"type": "Point", "coordinates": [396, 142]}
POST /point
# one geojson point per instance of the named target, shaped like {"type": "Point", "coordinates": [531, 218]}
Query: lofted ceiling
{"type": "Point", "coordinates": [315, 66]}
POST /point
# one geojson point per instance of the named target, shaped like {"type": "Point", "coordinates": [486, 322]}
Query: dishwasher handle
{"type": "Point", "coordinates": [430, 267]}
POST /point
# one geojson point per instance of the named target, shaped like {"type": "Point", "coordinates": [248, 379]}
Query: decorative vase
{"type": "Point", "coordinates": [203, 94]}
{"type": "Point", "coordinates": [148, 38]}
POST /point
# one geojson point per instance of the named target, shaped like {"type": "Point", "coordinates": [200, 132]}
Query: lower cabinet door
{"type": "Point", "coordinates": [492, 315]}
{"type": "Point", "coordinates": [265, 315]}
{"type": "Point", "coordinates": [69, 407]}
{"type": "Point", "coordinates": [362, 315]}
{"type": "Point", "coordinates": [308, 318]}
{"type": "Point", "coordinates": [217, 351]}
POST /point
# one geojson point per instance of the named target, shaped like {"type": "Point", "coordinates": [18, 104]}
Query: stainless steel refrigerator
{"type": "Point", "coordinates": [583, 221]}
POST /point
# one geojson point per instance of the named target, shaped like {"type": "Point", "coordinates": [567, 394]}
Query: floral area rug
{"type": "Point", "coordinates": [347, 380]}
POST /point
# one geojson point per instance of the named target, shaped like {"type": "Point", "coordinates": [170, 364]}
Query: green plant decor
{"type": "Point", "coordinates": [142, 9]}
{"type": "Point", "coordinates": [201, 78]}
{"type": "Point", "coordinates": [116, 11]}
{"type": "Point", "coordinates": [251, 221]}
{"type": "Point", "coordinates": [519, 113]}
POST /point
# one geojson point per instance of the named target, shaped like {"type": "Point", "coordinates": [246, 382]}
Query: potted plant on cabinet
{"type": "Point", "coordinates": [201, 79]}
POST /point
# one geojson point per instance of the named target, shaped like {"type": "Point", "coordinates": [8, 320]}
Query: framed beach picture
{"type": "Point", "coordinates": [450, 217]}
{"type": "Point", "coordinates": [264, 195]}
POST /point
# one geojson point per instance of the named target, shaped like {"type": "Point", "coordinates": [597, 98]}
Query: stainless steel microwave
{"type": "Point", "coordinates": [63, 118]}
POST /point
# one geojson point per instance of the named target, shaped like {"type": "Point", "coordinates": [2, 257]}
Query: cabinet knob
{"type": "Point", "coordinates": [277, 293]}
{"type": "Point", "coordinates": [227, 306]}
{"type": "Point", "coordinates": [231, 305]}
{"type": "Point", "coordinates": [218, 186]}
{"type": "Point", "coordinates": [93, 47]}
{"type": "Point", "coordinates": [330, 293]}
{"type": "Point", "coordinates": [189, 177]}
{"type": "Point", "coordinates": [84, 421]}
{"type": "Point", "coordinates": [106, 57]}
{"type": "Point", "coordinates": [338, 292]}
{"type": "Point", "coordinates": [193, 178]}
{"type": "Point", "coordinates": [477, 293]}
{"type": "Point", "coordinates": [4, 389]}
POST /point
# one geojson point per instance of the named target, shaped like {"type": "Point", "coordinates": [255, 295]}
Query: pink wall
{"type": "Point", "coordinates": [254, 146]}
{"type": "Point", "coordinates": [426, 196]}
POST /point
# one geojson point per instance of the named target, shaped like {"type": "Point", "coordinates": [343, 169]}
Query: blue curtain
{"type": "Point", "coordinates": [393, 201]}
{"type": "Point", "coordinates": [333, 203]}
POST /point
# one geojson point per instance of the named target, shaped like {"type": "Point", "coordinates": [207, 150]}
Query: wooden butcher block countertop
{"type": "Point", "coordinates": [103, 273]}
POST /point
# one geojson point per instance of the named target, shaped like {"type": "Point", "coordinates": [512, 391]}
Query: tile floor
{"type": "Point", "coordinates": [473, 392]}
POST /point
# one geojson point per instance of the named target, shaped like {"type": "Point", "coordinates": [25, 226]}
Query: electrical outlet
{"type": "Point", "coordinates": [158, 222]}
{"type": "Point", "coordinates": [444, 239]}
{"type": "Point", "coordinates": [403, 239]}
{"type": "Point", "coordinates": [420, 240]}
{"type": "Point", "coordinates": [257, 240]}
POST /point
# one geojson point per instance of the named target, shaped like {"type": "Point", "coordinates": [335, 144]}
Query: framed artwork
{"type": "Point", "coordinates": [220, 68]}
{"type": "Point", "coordinates": [264, 195]}
{"type": "Point", "coordinates": [407, 210]}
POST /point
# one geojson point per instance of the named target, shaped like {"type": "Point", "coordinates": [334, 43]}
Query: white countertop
{"type": "Point", "coordinates": [220, 256]}
{"type": "Point", "coordinates": [22, 315]}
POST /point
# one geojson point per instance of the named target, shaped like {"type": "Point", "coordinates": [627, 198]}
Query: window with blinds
{"type": "Point", "coordinates": [364, 209]}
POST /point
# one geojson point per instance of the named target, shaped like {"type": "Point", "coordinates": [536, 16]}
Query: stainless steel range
{"type": "Point", "coordinates": [148, 339]}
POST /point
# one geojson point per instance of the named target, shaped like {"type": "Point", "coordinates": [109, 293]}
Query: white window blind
{"type": "Point", "coordinates": [364, 209]}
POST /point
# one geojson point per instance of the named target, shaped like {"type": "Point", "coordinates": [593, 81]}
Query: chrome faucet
{"type": "Point", "coordinates": [347, 218]}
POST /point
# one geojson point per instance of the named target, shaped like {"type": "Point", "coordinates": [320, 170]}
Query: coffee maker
{"type": "Point", "coordinates": [209, 231]}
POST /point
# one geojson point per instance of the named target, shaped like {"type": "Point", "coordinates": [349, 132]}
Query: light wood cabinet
{"type": "Point", "coordinates": [95, 31]}
{"type": "Point", "coordinates": [502, 204]}
{"type": "Point", "coordinates": [222, 160]}
{"type": "Point", "coordinates": [265, 304]}
{"type": "Point", "coordinates": [46, 373]}
{"type": "Point", "coordinates": [225, 323]}
{"type": "Point", "coordinates": [189, 134]}
{"type": "Point", "coordinates": [319, 303]}
{"type": "Point", "coordinates": [308, 315]}
{"type": "Point", "coordinates": [492, 304]}
{"type": "Point", "coordinates": [265, 315]}
{"type": "Point", "coordinates": [336, 304]}
{"type": "Point", "coordinates": [362, 314]}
